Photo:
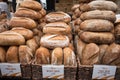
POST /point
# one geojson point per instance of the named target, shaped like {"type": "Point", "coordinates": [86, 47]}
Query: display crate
{"type": "Point", "coordinates": [69, 72]}
{"type": "Point", "coordinates": [85, 72]}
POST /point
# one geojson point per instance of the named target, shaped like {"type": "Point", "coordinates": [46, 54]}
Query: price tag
{"type": "Point", "coordinates": [104, 72]}
{"type": "Point", "coordinates": [8, 69]}
{"type": "Point", "coordinates": [53, 71]}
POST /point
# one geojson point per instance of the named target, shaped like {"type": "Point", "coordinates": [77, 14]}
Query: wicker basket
{"type": "Point", "coordinates": [26, 71]}
{"type": "Point", "coordinates": [85, 72]}
{"type": "Point", "coordinates": [69, 72]}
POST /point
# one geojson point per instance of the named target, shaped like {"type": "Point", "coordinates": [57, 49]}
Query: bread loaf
{"type": "Point", "coordinates": [37, 39]}
{"type": "Point", "coordinates": [117, 33]}
{"type": "Point", "coordinates": [96, 25]}
{"type": "Point", "coordinates": [80, 46]}
{"type": "Point", "coordinates": [25, 54]}
{"type": "Point", "coordinates": [24, 12]}
{"type": "Point", "coordinates": [103, 49]}
{"type": "Point", "coordinates": [58, 16]}
{"type": "Point", "coordinates": [22, 22]}
{"type": "Point", "coordinates": [11, 38]}
{"type": "Point", "coordinates": [28, 34]}
{"type": "Point", "coordinates": [95, 37]}
{"type": "Point", "coordinates": [99, 5]}
{"type": "Point", "coordinates": [69, 57]}
{"type": "Point", "coordinates": [31, 5]}
{"type": "Point", "coordinates": [57, 28]}
{"type": "Point", "coordinates": [42, 56]}
{"type": "Point", "coordinates": [57, 56]}
{"type": "Point", "coordinates": [12, 54]}
{"type": "Point", "coordinates": [2, 54]}
{"type": "Point", "coordinates": [32, 45]}
{"type": "Point", "coordinates": [97, 14]}
{"type": "Point", "coordinates": [112, 55]}
{"type": "Point", "coordinates": [75, 7]}
{"type": "Point", "coordinates": [90, 54]}
{"type": "Point", "coordinates": [42, 12]}
{"type": "Point", "coordinates": [55, 40]}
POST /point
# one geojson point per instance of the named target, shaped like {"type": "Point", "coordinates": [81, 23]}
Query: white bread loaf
{"type": "Point", "coordinates": [55, 40]}
{"type": "Point", "coordinates": [57, 56]}
{"type": "Point", "coordinates": [24, 12]}
{"type": "Point", "coordinates": [58, 16]}
{"type": "Point", "coordinates": [57, 28]}
{"type": "Point", "coordinates": [28, 34]}
{"type": "Point", "coordinates": [30, 4]}
{"type": "Point", "coordinates": [25, 54]}
{"type": "Point", "coordinates": [22, 22]}
{"type": "Point", "coordinates": [11, 38]}
{"type": "Point", "coordinates": [69, 57]}
{"type": "Point", "coordinates": [2, 54]}
{"type": "Point", "coordinates": [12, 54]}
{"type": "Point", "coordinates": [42, 56]}
{"type": "Point", "coordinates": [97, 14]}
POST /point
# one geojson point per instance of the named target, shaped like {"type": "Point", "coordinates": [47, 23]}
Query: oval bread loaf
{"type": "Point", "coordinates": [28, 34]}
{"type": "Point", "coordinates": [57, 28]}
{"type": "Point", "coordinates": [97, 14]}
{"type": "Point", "coordinates": [2, 54]}
{"type": "Point", "coordinates": [24, 12]}
{"type": "Point", "coordinates": [22, 22]}
{"type": "Point", "coordinates": [58, 16]}
{"type": "Point", "coordinates": [99, 5]}
{"type": "Point", "coordinates": [30, 4]}
{"type": "Point", "coordinates": [8, 38]}
{"type": "Point", "coordinates": [97, 25]}
{"type": "Point", "coordinates": [55, 40]}
{"type": "Point", "coordinates": [96, 37]}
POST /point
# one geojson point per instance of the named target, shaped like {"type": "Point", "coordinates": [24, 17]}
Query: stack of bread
{"type": "Point", "coordinates": [76, 13]}
{"type": "Point", "coordinates": [95, 40]}
{"type": "Point", "coordinates": [55, 43]}
{"type": "Point", "coordinates": [20, 43]}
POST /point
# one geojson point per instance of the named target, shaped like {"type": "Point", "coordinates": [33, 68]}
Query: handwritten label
{"type": "Point", "coordinates": [104, 72]}
{"type": "Point", "coordinates": [8, 69]}
{"type": "Point", "coordinates": [53, 71]}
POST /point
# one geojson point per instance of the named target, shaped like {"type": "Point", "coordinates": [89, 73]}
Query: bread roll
{"type": "Point", "coordinates": [25, 54]}
{"type": "Point", "coordinates": [80, 46]}
{"type": "Point", "coordinates": [100, 5]}
{"type": "Point", "coordinates": [31, 5]}
{"type": "Point", "coordinates": [69, 57]}
{"type": "Point", "coordinates": [28, 34]}
{"type": "Point", "coordinates": [90, 54]}
{"type": "Point", "coordinates": [57, 56]}
{"type": "Point", "coordinates": [42, 12]}
{"type": "Point", "coordinates": [96, 25]}
{"type": "Point", "coordinates": [95, 37]}
{"type": "Point", "coordinates": [12, 54]}
{"type": "Point", "coordinates": [58, 16]}
{"type": "Point", "coordinates": [3, 26]}
{"type": "Point", "coordinates": [75, 7]}
{"type": "Point", "coordinates": [97, 14]}
{"type": "Point", "coordinates": [42, 56]}
{"type": "Point", "coordinates": [24, 12]}
{"type": "Point", "coordinates": [55, 40]}
{"type": "Point", "coordinates": [57, 28]}
{"type": "Point", "coordinates": [11, 38]}
{"type": "Point", "coordinates": [117, 33]}
{"type": "Point", "coordinates": [112, 55]}
{"type": "Point", "coordinates": [32, 45]}
{"type": "Point", "coordinates": [2, 54]}
{"type": "Point", "coordinates": [22, 22]}
{"type": "Point", "coordinates": [37, 39]}
{"type": "Point", "coordinates": [103, 49]}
